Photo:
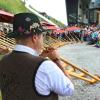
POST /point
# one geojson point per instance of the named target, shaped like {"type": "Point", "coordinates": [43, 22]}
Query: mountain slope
{"type": "Point", "coordinates": [13, 6]}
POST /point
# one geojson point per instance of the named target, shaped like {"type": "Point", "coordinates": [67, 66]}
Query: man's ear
{"type": "Point", "coordinates": [34, 38]}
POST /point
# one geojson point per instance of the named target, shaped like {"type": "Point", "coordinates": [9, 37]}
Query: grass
{"type": "Point", "coordinates": [0, 97]}
{"type": "Point", "coordinates": [13, 6]}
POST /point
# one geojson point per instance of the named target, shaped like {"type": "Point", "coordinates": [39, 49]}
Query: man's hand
{"type": "Point", "coordinates": [55, 57]}
{"type": "Point", "coordinates": [50, 53]}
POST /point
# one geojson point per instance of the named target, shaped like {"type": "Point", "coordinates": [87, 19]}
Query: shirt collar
{"type": "Point", "coordinates": [23, 48]}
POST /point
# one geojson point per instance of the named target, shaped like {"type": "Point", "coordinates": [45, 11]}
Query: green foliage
{"type": "Point", "coordinates": [13, 6]}
{"type": "Point", "coordinates": [0, 98]}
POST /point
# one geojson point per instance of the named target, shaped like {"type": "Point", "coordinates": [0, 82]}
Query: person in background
{"type": "Point", "coordinates": [98, 41]}
{"type": "Point", "coordinates": [25, 73]}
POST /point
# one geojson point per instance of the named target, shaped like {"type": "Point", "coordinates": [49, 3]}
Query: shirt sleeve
{"type": "Point", "coordinates": [50, 77]}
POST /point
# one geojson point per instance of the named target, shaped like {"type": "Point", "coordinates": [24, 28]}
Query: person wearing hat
{"type": "Point", "coordinates": [25, 73]}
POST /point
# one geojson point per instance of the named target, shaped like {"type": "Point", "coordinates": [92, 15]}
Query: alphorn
{"type": "Point", "coordinates": [84, 75]}
{"type": "Point", "coordinates": [83, 71]}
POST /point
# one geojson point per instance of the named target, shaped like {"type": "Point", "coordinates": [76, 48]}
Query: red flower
{"type": "Point", "coordinates": [20, 29]}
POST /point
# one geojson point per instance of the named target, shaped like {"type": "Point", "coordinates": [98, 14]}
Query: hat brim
{"type": "Point", "coordinates": [15, 34]}
{"type": "Point", "coordinates": [11, 34]}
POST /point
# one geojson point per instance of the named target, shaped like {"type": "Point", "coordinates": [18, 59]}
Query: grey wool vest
{"type": "Point", "coordinates": [17, 77]}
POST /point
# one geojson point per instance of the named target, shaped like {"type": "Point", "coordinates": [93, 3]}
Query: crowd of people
{"type": "Point", "coordinates": [86, 33]}
{"type": "Point", "coordinates": [91, 34]}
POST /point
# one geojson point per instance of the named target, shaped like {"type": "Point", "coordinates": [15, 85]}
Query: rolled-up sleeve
{"type": "Point", "coordinates": [53, 80]}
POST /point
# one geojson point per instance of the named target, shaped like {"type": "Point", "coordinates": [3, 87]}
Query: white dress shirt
{"type": "Point", "coordinates": [49, 76]}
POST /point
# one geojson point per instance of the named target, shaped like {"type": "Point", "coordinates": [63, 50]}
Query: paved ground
{"type": "Point", "coordinates": [87, 57]}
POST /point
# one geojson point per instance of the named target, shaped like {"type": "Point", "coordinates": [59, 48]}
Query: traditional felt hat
{"type": "Point", "coordinates": [25, 24]}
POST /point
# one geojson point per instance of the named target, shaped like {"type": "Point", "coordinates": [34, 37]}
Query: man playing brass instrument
{"type": "Point", "coordinates": [24, 75]}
